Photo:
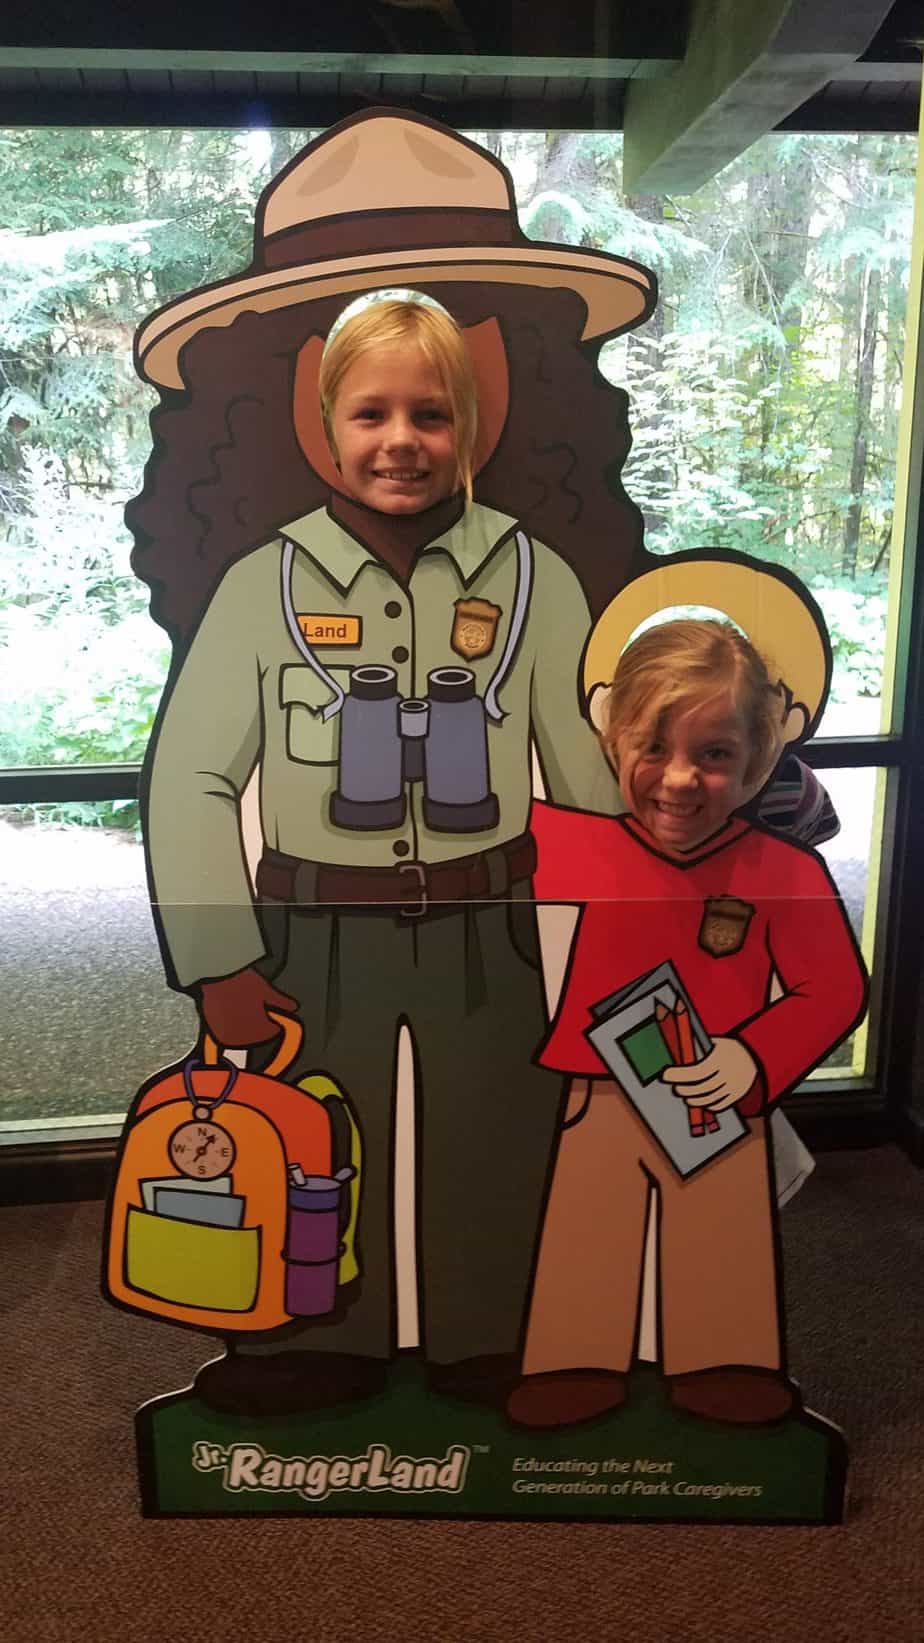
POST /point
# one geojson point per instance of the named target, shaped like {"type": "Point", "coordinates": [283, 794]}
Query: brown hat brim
{"type": "Point", "coordinates": [618, 295]}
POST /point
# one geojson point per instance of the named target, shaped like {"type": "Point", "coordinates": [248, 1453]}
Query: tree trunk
{"type": "Point", "coordinates": [650, 207]}
{"type": "Point", "coordinates": [782, 199]}
{"type": "Point", "coordinates": [866, 358]}
{"type": "Point", "coordinates": [564, 170]}
{"type": "Point", "coordinates": [281, 151]}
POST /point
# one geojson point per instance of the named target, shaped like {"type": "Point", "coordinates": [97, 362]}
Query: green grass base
{"type": "Point", "coordinates": [643, 1463]}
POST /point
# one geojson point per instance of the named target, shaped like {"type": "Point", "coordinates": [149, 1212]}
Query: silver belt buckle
{"type": "Point", "coordinates": [418, 908]}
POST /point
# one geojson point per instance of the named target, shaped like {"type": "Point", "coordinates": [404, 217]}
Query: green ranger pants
{"type": "Point", "coordinates": [467, 982]}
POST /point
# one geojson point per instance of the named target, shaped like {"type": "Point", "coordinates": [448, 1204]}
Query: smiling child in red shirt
{"type": "Point", "coordinates": [692, 727]}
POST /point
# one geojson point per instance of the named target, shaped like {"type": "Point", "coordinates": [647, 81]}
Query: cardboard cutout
{"type": "Point", "coordinates": [384, 684]}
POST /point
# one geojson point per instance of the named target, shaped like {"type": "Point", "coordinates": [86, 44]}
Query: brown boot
{"type": "Point", "coordinates": [565, 1397]}
{"type": "Point", "coordinates": [287, 1383]}
{"type": "Point", "coordinates": [742, 1397]}
{"type": "Point", "coordinates": [486, 1380]}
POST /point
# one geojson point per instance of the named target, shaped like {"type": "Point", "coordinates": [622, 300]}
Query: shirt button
{"type": "Point", "coordinates": [392, 608]}
{"type": "Point", "coordinates": [401, 847]}
{"type": "Point", "coordinates": [399, 654]}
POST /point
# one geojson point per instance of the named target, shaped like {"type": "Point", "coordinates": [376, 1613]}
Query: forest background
{"type": "Point", "coordinates": [764, 393]}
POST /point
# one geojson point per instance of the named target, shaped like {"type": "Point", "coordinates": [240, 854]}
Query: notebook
{"type": "Point", "coordinates": [627, 1035]}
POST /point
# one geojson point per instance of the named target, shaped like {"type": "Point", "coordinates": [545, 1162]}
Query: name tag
{"type": "Point", "coordinates": [331, 630]}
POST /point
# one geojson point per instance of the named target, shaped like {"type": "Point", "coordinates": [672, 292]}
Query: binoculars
{"type": "Point", "coordinates": [439, 740]}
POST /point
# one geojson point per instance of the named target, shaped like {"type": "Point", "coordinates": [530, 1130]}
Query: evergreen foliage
{"type": "Point", "coordinates": [764, 393]}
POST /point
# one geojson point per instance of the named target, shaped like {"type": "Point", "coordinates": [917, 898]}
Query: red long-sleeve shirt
{"type": "Point", "coordinates": [640, 907]}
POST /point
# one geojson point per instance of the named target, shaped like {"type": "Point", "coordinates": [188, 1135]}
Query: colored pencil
{"type": "Point", "coordinates": [668, 1027]}
{"type": "Point", "coordinates": [684, 1034]}
{"type": "Point", "coordinates": [700, 1120]}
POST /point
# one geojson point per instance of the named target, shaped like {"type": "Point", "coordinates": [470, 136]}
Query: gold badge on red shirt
{"type": "Point", "coordinates": [474, 628]}
{"type": "Point", "coordinates": [725, 925]}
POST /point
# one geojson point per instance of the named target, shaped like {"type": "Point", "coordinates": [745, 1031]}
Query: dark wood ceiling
{"type": "Point", "coordinates": [475, 64]}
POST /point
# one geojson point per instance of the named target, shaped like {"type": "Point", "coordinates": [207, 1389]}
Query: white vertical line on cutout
{"type": "Point", "coordinates": [408, 1333]}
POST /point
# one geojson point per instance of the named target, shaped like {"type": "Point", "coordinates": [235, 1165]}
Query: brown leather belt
{"type": "Point", "coordinates": [411, 888]}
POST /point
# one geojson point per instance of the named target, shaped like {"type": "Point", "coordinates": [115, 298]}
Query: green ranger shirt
{"type": "Point", "coordinates": [247, 697]}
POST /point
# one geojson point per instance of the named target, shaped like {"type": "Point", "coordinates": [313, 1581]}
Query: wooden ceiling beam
{"type": "Point", "coordinates": [747, 67]}
{"type": "Point", "coordinates": [32, 105]}
{"type": "Point", "coordinates": [498, 66]}
{"type": "Point", "coordinates": [276, 31]}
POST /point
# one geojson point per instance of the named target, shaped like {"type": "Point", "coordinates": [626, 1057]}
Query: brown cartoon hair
{"type": "Point", "coordinates": [226, 470]}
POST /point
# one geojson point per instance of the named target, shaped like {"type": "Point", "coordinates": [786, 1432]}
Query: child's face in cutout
{"type": "Point", "coordinates": [685, 773]}
{"type": "Point", "coordinates": [393, 432]}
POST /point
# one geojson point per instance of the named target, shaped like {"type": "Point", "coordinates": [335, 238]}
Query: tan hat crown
{"type": "Point", "coordinates": [421, 167]}
{"type": "Point", "coordinates": [390, 199]}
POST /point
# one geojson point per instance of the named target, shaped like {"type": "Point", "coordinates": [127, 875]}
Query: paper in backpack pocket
{"type": "Point", "coordinates": [150, 1187]}
{"type": "Point", "coordinates": [212, 1209]}
{"type": "Point", "coordinates": [627, 1035]}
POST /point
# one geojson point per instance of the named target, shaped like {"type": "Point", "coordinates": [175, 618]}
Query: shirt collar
{"type": "Point", "coordinates": [340, 556]}
{"type": "Point", "coordinates": [727, 834]}
{"type": "Point", "coordinates": [473, 538]}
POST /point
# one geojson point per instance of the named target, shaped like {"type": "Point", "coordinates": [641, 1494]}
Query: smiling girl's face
{"type": "Point", "coordinates": [393, 432]}
{"type": "Point", "coordinates": [684, 775]}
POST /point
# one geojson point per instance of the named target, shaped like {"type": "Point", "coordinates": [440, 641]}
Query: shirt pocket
{"type": "Point", "coordinates": [303, 696]}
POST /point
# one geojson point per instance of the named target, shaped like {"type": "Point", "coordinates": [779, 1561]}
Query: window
{"type": "Point", "coordinates": [87, 1016]}
{"type": "Point", "coordinates": [764, 400]}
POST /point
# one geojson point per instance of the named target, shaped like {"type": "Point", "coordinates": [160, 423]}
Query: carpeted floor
{"type": "Point", "coordinates": [77, 1561]}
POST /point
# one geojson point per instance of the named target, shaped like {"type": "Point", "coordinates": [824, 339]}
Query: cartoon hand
{"type": "Point", "coordinates": [719, 1080]}
{"type": "Point", "coordinates": [235, 1009]}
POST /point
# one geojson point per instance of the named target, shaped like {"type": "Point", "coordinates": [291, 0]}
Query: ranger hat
{"type": "Point", "coordinates": [322, 229]}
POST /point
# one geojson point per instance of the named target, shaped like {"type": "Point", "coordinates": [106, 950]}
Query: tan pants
{"type": "Point", "coordinates": [718, 1280]}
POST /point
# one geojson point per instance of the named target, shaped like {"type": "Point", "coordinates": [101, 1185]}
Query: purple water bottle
{"type": "Point", "coordinates": [312, 1248]}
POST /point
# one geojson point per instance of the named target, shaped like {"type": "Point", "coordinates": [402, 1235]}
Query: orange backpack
{"type": "Point", "coordinates": [217, 1173]}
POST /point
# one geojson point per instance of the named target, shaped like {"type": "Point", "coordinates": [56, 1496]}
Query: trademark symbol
{"type": "Point", "coordinates": [481, 1448]}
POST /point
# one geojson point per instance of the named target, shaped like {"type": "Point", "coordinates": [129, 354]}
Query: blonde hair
{"type": "Point", "coordinates": [693, 662]}
{"type": "Point", "coordinates": [387, 324]}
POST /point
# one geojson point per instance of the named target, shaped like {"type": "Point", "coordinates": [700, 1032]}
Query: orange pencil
{"type": "Point", "coordinates": [668, 1027]}
{"type": "Point", "coordinates": [684, 1035]}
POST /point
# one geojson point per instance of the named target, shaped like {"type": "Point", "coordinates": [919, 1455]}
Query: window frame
{"type": "Point", "coordinates": [831, 1111]}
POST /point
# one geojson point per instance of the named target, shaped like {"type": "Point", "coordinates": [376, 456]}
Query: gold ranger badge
{"type": "Point", "coordinates": [474, 628]}
{"type": "Point", "coordinates": [725, 925]}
